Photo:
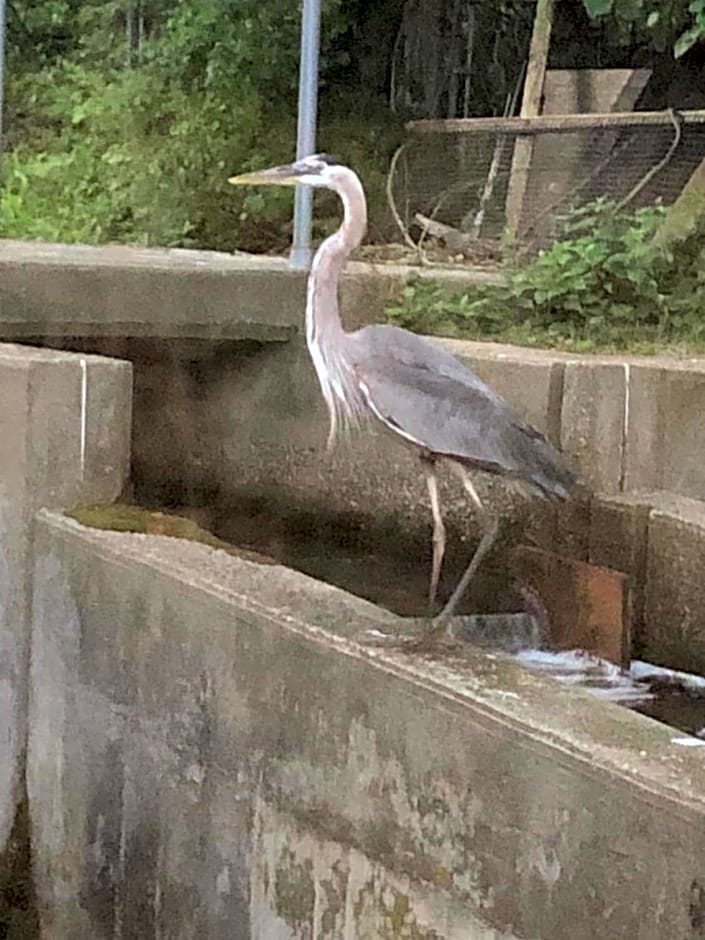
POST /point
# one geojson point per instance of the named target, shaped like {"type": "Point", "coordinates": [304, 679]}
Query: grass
{"type": "Point", "coordinates": [620, 340]}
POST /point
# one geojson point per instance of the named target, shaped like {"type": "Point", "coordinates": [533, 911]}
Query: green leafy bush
{"type": "Point", "coordinates": [663, 23]}
{"type": "Point", "coordinates": [112, 167]}
{"type": "Point", "coordinates": [109, 140]}
{"type": "Point", "coordinates": [606, 282]}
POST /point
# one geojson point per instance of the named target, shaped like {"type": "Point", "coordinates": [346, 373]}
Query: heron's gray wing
{"type": "Point", "coordinates": [429, 397]}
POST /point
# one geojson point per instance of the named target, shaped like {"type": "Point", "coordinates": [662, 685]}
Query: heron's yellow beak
{"type": "Point", "coordinates": [275, 176]}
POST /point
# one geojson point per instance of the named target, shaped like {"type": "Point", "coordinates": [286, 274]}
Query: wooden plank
{"type": "Point", "coordinates": [530, 107]}
{"type": "Point", "coordinates": [587, 605]}
{"type": "Point", "coordinates": [553, 123]}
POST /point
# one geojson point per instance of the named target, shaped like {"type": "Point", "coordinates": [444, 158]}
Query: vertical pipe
{"type": "Point", "coordinates": [300, 256]}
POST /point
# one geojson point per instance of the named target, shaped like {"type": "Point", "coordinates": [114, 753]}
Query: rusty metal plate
{"type": "Point", "coordinates": [587, 605]}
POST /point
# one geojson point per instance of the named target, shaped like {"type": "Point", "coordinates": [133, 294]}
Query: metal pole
{"type": "Point", "coordinates": [300, 256]}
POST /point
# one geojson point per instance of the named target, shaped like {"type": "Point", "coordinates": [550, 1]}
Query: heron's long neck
{"type": "Point", "coordinates": [322, 311]}
{"type": "Point", "coordinates": [324, 330]}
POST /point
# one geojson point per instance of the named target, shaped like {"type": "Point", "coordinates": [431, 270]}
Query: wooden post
{"type": "Point", "coordinates": [530, 107]}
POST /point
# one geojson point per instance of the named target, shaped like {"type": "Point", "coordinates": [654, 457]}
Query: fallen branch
{"type": "Point", "coordinates": [456, 241]}
{"type": "Point", "coordinates": [393, 206]}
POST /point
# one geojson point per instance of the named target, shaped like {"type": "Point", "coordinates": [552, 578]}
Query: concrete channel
{"type": "Point", "coordinates": [203, 744]}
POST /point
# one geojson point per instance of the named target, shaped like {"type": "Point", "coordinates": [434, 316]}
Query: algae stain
{"type": "Point", "coordinates": [400, 922]}
{"type": "Point", "coordinates": [394, 847]}
{"type": "Point", "coordinates": [117, 517]}
{"type": "Point", "coordinates": [294, 890]}
{"type": "Point", "coordinates": [333, 890]}
{"type": "Point", "coordinates": [398, 915]}
{"type": "Point", "coordinates": [386, 843]}
{"type": "Point", "coordinates": [392, 912]}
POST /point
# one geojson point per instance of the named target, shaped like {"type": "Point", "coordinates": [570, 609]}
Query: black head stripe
{"type": "Point", "coordinates": [328, 159]}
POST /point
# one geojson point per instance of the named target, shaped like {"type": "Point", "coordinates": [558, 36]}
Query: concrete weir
{"type": "Point", "coordinates": [213, 754]}
{"type": "Point", "coordinates": [205, 747]}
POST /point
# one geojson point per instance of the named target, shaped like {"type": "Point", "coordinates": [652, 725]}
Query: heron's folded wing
{"type": "Point", "coordinates": [457, 415]}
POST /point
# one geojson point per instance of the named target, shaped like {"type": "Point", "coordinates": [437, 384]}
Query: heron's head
{"type": "Point", "coordinates": [319, 170]}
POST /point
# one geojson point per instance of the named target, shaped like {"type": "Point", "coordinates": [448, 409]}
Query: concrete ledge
{"type": "Point", "coordinates": [79, 290]}
{"type": "Point", "coordinates": [658, 539]}
{"type": "Point", "coordinates": [49, 291]}
{"type": "Point", "coordinates": [627, 423]}
{"type": "Point", "coordinates": [674, 615]}
{"type": "Point", "coordinates": [665, 433]}
{"type": "Point", "coordinates": [64, 438]}
{"type": "Point", "coordinates": [181, 749]}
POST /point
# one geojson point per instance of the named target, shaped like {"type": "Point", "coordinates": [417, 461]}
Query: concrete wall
{"type": "Point", "coordinates": [659, 540]}
{"type": "Point", "coordinates": [190, 777]}
{"type": "Point", "coordinates": [253, 424]}
{"type": "Point", "coordinates": [227, 407]}
{"type": "Point", "coordinates": [55, 291]}
{"type": "Point", "coordinates": [217, 345]}
{"type": "Point", "coordinates": [187, 774]}
{"type": "Point", "coordinates": [65, 438]}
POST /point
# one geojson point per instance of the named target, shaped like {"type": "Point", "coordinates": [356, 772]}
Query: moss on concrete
{"type": "Point", "coordinates": [121, 518]}
{"type": "Point", "coordinates": [295, 891]}
{"type": "Point", "coordinates": [388, 844]}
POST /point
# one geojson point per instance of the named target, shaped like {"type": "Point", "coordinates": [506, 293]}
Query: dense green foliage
{"type": "Point", "coordinates": [661, 23]}
{"type": "Point", "coordinates": [125, 119]}
{"type": "Point", "coordinates": [605, 284]}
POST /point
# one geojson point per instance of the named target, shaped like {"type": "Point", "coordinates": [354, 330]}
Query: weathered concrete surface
{"type": "Point", "coordinates": [665, 439]}
{"type": "Point", "coordinates": [618, 538]}
{"type": "Point", "coordinates": [64, 437]}
{"type": "Point", "coordinates": [592, 421]}
{"type": "Point", "coordinates": [252, 426]}
{"type": "Point", "coordinates": [51, 291]}
{"type": "Point", "coordinates": [220, 420]}
{"type": "Point", "coordinates": [188, 319]}
{"type": "Point", "coordinates": [658, 539]}
{"type": "Point", "coordinates": [255, 425]}
{"type": "Point", "coordinates": [190, 777]}
{"type": "Point", "coordinates": [674, 615]}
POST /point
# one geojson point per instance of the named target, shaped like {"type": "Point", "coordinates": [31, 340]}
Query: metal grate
{"type": "Point", "coordinates": [474, 181]}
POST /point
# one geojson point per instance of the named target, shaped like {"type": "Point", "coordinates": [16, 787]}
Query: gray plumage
{"type": "Point", "coordinates": [419, 392]}
{"type": "Point", "coordinates": [429, 396]}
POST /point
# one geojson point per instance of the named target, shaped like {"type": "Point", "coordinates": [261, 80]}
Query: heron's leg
{"type": "Point", "coordinates": [442, 621]}
{"type": "Point", "coordinates": [468, 485]}
{"type": "Point", "coordinates": [486, 542]}
{"type": "Point", "coordinates": [439, 532]}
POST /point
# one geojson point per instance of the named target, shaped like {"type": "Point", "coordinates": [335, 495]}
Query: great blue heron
{"type": "Point", "coordinates": [415, 389]}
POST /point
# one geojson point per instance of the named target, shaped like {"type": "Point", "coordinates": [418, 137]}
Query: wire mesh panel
{"type": "Point", "coordinates": [461, 186]}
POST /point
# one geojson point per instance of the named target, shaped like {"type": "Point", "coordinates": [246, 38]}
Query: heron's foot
{"type": "Point", "coordinates": [437, 635]}
{"type": "Point", "coordinates": [387, 640]}
{"type": "Point", "coordinates": [432, 635]}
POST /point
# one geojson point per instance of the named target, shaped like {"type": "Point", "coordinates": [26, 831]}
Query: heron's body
{"type": "Point", "coordinates": [417, 390]}
{"type": "Point", "coordinates": [430, 398]}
